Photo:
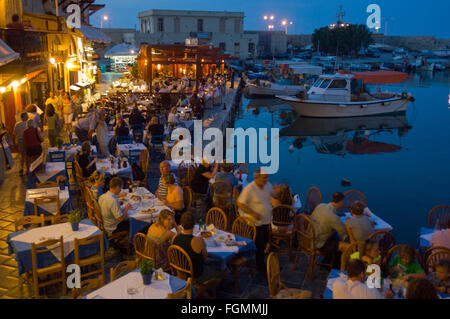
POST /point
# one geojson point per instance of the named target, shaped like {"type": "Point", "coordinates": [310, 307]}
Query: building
{"type": "Point", "coordinates": [270, 43]}
{"type": "Point", "coordinates": [217, 28]}
{"type": "Point", "coordinates": [122, 56]}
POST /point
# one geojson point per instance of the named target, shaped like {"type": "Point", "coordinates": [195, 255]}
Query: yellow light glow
{"type": "Point", "coordinates": [181, 69]}
{"type": "Point", "coordinates": [52, 61]}
{"type": "Point", "coordinates": [2, 89]}
{"type": "Point", "coordinates": [15, 84]}
{"type": "Point", "coordinates": [283, 22]}
{"type": "Point", "coordinates": [69, 65]}
{"type": "Point", "coordinates": [158, 67]}
{"type": "Point", "coordinates": [272, 17]}
{"type": "Point", "coordinates": [203, 60]}
{"type": "Point", "coordinates": [265, 17]}
{"type": "Point", "coordinates": [23, 80]}
{"type": "Point", "coordinates": [184, 71]}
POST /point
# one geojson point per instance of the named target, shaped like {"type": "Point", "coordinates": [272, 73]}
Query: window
{"type": "Point", "coordinates": [318, 82]}
{"type": "Point", "coordinates": [237, 25]}
{"type": "Point", "coordinates": [177, 24]}
{"type": "Point", "coordinates": [222, 25]}
{"type": "Point", "coordinates": [237, 49]}
{"type": "Point", "coordinates": [200, 25]}
{"type": "Point", "coordinates": [142, 25]}
{"type": "Point", "coordinates": [251, 48]}
{"type": "Point", "coordinates": [338, 84]}
{"type": "Point", "coordinates": [325, 83]}
{"type": "Point", "coordinates": [160, 25]}
{"type": "Point", "coordinates": [222, 46]}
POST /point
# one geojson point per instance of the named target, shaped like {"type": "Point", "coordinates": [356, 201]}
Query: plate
{"type": "Point", "coordinates": [104, 168]}
{"type": "Point", "coordinates": [205, 234]}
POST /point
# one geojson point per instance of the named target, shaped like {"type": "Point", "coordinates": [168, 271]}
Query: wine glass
{"type": "Point", "coordinates": [131, 289]}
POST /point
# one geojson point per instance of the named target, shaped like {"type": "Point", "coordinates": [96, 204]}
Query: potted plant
{"type": "Point", "coordinates": [146, 268]}
{"type": "Point", "coordinates": [74, 219]}
{"type": "Point", "coordinates": [59, 143]}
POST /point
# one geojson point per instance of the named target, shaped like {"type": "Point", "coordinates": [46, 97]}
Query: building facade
{"type": "Point", "coordinates": [217, 28]}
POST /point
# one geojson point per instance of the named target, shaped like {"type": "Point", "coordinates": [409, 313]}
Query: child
{"type": "Point", "coordinates": [440, 278]}
{"type": "Point", "coordinates": [405, 266]}
{"type": "Point", "coordinates": [359, 224]}
{"type": "Point", "coordinates": [369, 253]}
{"type": "Point", "coordinates": [98, 181]}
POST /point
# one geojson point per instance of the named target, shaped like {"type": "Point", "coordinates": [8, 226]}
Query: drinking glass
{"type": "Point", "coordinates": [132, 289]}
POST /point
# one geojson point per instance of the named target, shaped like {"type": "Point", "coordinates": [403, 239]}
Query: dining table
{"type": "Point", "coordinates": [50, 171]}
{"type": "Point", "coordinates": [378, 223]}
{"type": "Point", "coordinates": [428, 235]}
{"type": "Point", "coordinates": [65, 201]}
{"type": "Point", "coordinates": [19, 244]}
{"type": "Point", "coordinates": [71, 151]}
{"type": "Point", "coordinates": [105, 166]}
{"type": "Point", "coordinates": [126, 149]}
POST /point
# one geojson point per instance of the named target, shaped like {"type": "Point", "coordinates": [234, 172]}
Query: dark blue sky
{"type": "Point", "coordinates": [413, 17]}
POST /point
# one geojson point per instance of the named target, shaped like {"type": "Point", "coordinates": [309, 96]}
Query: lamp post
{"type": "Point", "coordinates": [104, 18]}
{"type": "Point", "coordinates": [285, 24]}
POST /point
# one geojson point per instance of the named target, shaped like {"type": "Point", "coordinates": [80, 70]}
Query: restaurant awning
{"type": "Point", "coordinates": [7, 54]}
{"type": "Point", "coordinates": [93, 34]}
{"type": "Point", "coordinates": [122, 49]}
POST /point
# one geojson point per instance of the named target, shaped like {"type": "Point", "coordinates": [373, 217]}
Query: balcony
{"type": "Point", "coordinates": [32, 47]}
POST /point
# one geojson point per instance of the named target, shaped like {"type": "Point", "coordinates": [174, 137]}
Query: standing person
{"type": "Point", "coordinates": [77, 106]}
{"type": "Point", "coordinates": [202, 175]}
{"type": "Point", "coordinates": [33, 115]}
{"type": "Point", "coordinates": [102, 133]}
{"type": "Point", "coordinates": [114, 218]}
{"type": "Point", "coordinates": [32, 142]}
{"type": "Point", "coordinates": [51, 99]}
{"type": "Point", "coordinates": [255, 203]}
{"type": "Point", "coordinates": [84, 127]}
{"type": "Point", "coordinates": [327, 223]}
{"type": "Point", "coordinates": [67, 108]}
{"type": "Point", "coordinates": [54, 125]}
{"type": "Point", "coordinates": [15, 24]}
{"type": "Point", "coordinates": [19, 129]}
{"type": "Point", "coordinates": [59, 106]}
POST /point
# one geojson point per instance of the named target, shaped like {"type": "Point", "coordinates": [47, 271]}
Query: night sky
{"type": "Point", "coordinates": [405, 17]}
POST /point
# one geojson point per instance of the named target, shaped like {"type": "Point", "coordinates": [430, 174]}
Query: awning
{"type": "Point", "coordinates": [7, 54]}
{"type": "Point", "coordinates": [379, 77]}
{"type": "Point", "coordinates": [122, 49]}
{"type": "Point", "coordinates": [94, 34]}
{"type": "Point", "coordinates": [306, 69]}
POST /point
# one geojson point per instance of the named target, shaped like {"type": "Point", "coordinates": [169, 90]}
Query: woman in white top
{"type": "Point", "coordinates": [172, 118]}
{"type": "Point", "coordinates": [67, 111]}
{"type": "Point", "coordinates": [102, 133]}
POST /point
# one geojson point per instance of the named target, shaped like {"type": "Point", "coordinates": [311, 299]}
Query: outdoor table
{"type": "Point", "coordinates": [139, 214]}
{"type": "Point", "coordinates": [379, 223]}
{"type": "Point", "coordinates": [125, 149]}
{"type": "Point", "coordinates": [167, 145]}
{"type": "Point", "coordinates": [19, 243]}
{"type": "Point", "coordinates": [65, 201]}
{"type": "Point", "coordinates": [158, 289]}
{"type": "Point", "coordinates": [51, 172]}
{"type": "Point", "coordinates": [219, 253]}
{"type": "Point", "coordinates": [426, 234]}
{"type": "Point", "coordinates": [70, 151]}
{"type": "Point", "coordinates": [184, 109]}
{"type": "Point", "coordinates": [104, 166]}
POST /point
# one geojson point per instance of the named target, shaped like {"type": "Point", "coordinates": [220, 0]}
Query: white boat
{"type": "Point", "coordinates": [342, 95]}
{"type": "Point", "coordinates": [266, 88]}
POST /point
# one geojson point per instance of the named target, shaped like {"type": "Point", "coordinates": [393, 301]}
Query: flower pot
{"type": "Point", "coordinates": [75, 226]}
{"type": "Point", "coordinates": [147, 278]}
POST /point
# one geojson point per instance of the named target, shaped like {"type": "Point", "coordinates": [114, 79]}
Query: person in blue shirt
{"type": "Point", "coordinates": [226, 175]}
{"type": "Point", "coordinates": [98, 181]}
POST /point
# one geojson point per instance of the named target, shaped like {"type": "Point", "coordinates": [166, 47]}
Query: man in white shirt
{"type": "Point", "coordinates": [19, 128]}
{"type": "Point", "coordinates": [255, 203]}
{"type": "Point", "coordinates": [355, 286]}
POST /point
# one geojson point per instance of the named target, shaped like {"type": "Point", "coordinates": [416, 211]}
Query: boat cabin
{"type": "Point", "coordinates": [336, 87]}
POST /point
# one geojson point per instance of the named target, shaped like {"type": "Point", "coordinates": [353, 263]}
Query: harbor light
{"type": "Point", "coordinates": [2, 89]}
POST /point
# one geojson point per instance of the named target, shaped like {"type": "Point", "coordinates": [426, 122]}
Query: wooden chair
{"type": "Point", "coordinates": [33, 221]}
{"type": "Point", "coordinates": [94, 264]}
{"type": "Point", "coordinates": [282, 219]}
{"type": "Point", "coordinates": [187, 198]}
{"type": "Point", "coordinates": [243, 227]}
{"type": "Point", "coordinates": [183, 174]}
{"type": "Point", "coordinates": [349, 233]}
{"type": "Point", "coordinates": [90, 203]}
{"type": "Point", "coordinates": [87, 285]}
{"type": "Point", "coordinates": [306, 235]}
{"type": "Point", "coordinates": [217, 217]}
{"type": "Point", "coordinates": [142, 248]}
{"type": "Point", "coordinates": [81, 182]}
{"type": "Point", "coordinates": [60, 219]}
{"type": "Point", "coordinates": [313, 198]}
{"type": "Point", "coordinates": [243, 167]}
{"type": "Point", "coordinates": [352, 196]}
{"type": "Point", "coordinates": [236, 194]}
{"type": "Point", "coordinates": [56, 272]}
{"type": "Point", "coordinates": [434, 257]}
{"type": "Point", "coordinates": [143, 163]}
{"type": "Point", "coordinates": [394, 251]}
{"type": "Point", "coordinates": [181, 265]}
{"type": "Point", "coordinates": [47, 200]}
{"type": "Point", "coordinates": [429, 251]}
{"type": "Point", "coordinates": [185, 293]}
{"type": "Point", "coordinates": [345, 257]}
{"type": "Point", "coordinates": [384, 239]}
{"type": "Point", "coordinates": [124, 266]}
{"type": "Point", "coordinates": [47, 184]}
{"type": "Point", "coordinates": [221, 194]}
{"type": "Point", "coordinates": [439, 216]}
{"type": "Point", "coordinates": [277, 289]}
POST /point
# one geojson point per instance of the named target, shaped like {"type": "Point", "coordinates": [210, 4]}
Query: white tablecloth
{"type": "Point", "coordinates": [51, 169]}
{"type": "Point", "coordinates": [31, 194]}
{"type": "Point", "coordinates": [71, 151]}
{"type": "Point", "coordinates": [105, 166]}
{"type": "Point", "coordinates": [379, 223]}
{"type": "Point", "coordinates": [126, 148]}
{"type": "Point", "coordinates": [137, 209]}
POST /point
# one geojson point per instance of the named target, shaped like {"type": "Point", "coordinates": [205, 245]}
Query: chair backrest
{"type": "Point", "coordinates": [43, 247]}
{"type": "Point", "coordinates": [90, 240]}
{"type": "Point", "coordinates": [124, 140]}
{"type": "Point", "coordinates": [242, 167]}
{"type": "Point", "coordinates": [124, 266]}
{"type": "Point", "coordinates": [395, 251]}
{"type": "Point", "coordinates": [143, 161]}
{"type": "Point", "coordinates": [384, 239]}
{"type": "Point", "coordinates": [282, 215]}
{"type": "Point", "coordinates": [244, 227]}
{"type": "Point", "coordinates": [350, 233]}
{"type": "Point", "coordinates": [135, 155]}
{"type": "Point", "coordinates": [439, 217]}
{"type": "Point", "coordinates": [180, 262]}
{"type": "Point", "coordinates": [183, 174]}
{"type": "Point", "coordinates": [313, 198]}
{"type": "Point", "coordinates": [236, 194]}
{"type": "Point", "coordinates": [217, 217]}
{"type": "Point", "coordinates": [47, 184]}
{"type": "Point", "coordinates": [186, 292]}
{"type": "Point", "coordinates": [429, 251]}
{"type": "Point", "coordinates": [89, 200]}
{"type": "Point", "coordinates": [221, 194]}
{"type": "Point", "coordinates": [433, 259]}
{"type": "Point", "coordinates": [57, 156]}
{"type": "Point", "coordinates": [87, 285]}
{"type": "Point", "coordinates": [142, 247]}
{"type": "Point", "coordinates": [187, 197]}
{"type": "Point", "coordinates": [60, 219]}
{"type": "Point", "coordinates": [306, 233]}
{"type": "Point", "coordinates": [157, 139]}
{"type": "Point", "coordinates": [47, 200]}
{"type": "Point", "coordinates": [273, 274]}
{"type": "Point", "coordinates": [33, 221]}
{"type": "Point", "coordinates": [345, 257]}
{"type": "Point", "coordinates": [352, 196]}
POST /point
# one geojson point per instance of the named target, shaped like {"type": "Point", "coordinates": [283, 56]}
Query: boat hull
{"type": "Point", "coordinates": [327, 109]}
{"type": "Point", "coordinates": [254, 90]}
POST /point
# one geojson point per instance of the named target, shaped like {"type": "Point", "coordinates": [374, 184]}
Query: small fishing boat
{"type": "Point", "coordinates": [346, 95]}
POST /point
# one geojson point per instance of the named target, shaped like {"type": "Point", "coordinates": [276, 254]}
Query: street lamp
{"type": "Point", "coordinates": [104, 18]}
{"type": "Point", "coordinates": [272, 17]}
{"type": "Point", "coordinates": [285, 24]}
{"type": "Point", "coordinates": [265, 18]}
{"type": "Point", "coordinates": [270, 26]}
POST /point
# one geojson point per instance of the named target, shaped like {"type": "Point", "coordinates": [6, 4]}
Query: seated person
{"type": "Point", "coordinates": [195, 247]}
{"type": "Point", "coordinates": [355, 287]}
{"type": "Point", "coordinates": [421, 288]}
{"type": "Point", "coordinates": [85, 160]}
{"type": "Point", "coordinates": [164, 169]}
{"type": "Point", "coordinates": [155, 128]}
{"type": "Point", "coordinates": [226, 175]}
{"type": "Point", "coordinates": [369, 253]}
{"type": "Point", "coordinates": [405, 266]}
{"type": "Point", "coordinates": [172, 117]}
{"type": "Point", "coordinates": [282, 196]}
{"type": "Point", "coordinates": [122, 129]}
{"type": "Point", "coordinates": [202, 175]}
{"type": "Point", "coordinates": [136, 118]}
{"type": "Point", "coordinates": [359, 224]}
{"type": "Point", "coordinates": [114, 217]}
{"type": "Point", "coordinates": [161, 235]}
{"type": "Point", "coordinates": [98, 181]}
{"type": "Point", "coordinates": [440, 277]}
{"type": "Point", "coordinates": [174, 199]}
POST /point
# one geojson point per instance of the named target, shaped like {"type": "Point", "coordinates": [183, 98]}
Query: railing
{"type": "Point", "coordinates": [31, 45]}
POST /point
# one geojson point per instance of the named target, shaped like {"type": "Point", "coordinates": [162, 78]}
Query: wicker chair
{"type": "Point", "coordinates": [124, 266]}
{"type": "Point", "coordinates": [142, 248]}
{"type": "Point", "coordinates": [187, 198]}
{"type": "Point", "coordinates": [283, 227]}
{"type": "Point", "coordinates": [236, 194]}
{"type": "Point", "coordinates": [221, 194]}
{"type": "Point", "coordinates": [434, 257]}
{"type": "Point", "coordinates": [186, 292]}
{"type": "Point", "coordinates": [217, 217]}
{"type": "Point", "coordinates": [313, 198]}
{"type": "Point", "coordinates": [352, 196]}
{"type": "Point", "coordinates": [439, 216]}
{"type": "Point", "coordinates": [345, 257]}
{"type": "Point", "coordinates": [384, 239]}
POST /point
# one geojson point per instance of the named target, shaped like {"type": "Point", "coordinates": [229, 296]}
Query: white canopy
{"type": "Point", "coordinates": [306, 69]}
{"type": "Point", "coordinates": [7, 54]}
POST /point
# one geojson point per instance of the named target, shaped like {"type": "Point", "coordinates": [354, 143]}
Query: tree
{"type": "Point", "coordinates": [345, 40]}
